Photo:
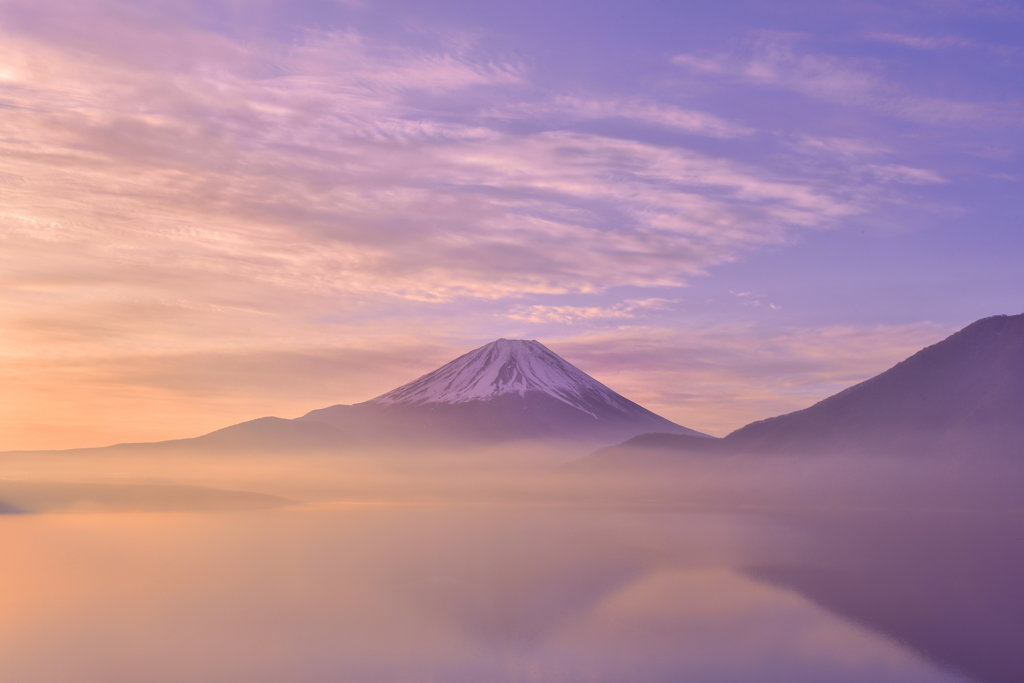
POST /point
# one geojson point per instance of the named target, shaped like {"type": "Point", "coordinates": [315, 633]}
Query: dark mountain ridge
{"type": "Point", "coordinates": [964, 392]}
{"type": "Point", "coordinates": [963, 395]}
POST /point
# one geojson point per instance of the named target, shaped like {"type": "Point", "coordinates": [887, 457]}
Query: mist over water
{"type": "Point", "coordinates": [402, 567]}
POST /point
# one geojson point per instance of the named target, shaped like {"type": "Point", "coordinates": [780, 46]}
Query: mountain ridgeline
{"type": "Point", "coordinates": [961, 396]}
{"type": "Point", "coordinates": [502, 393]}
{"type": "Point", "coordinates": [507, 390]}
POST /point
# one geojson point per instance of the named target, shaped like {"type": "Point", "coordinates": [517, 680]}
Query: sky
{"type": "Point", "coordinates": [214, 211]}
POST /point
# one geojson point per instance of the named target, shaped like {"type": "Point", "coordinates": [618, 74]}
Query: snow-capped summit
{"type": "Point", "coordinates": [505, 366]}
{"type": "Point", "coordinates": [508, 389]}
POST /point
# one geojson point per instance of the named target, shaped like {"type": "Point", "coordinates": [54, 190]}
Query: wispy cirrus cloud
{"type": "Point", "coordinates": [844, 147]}
{"type": "Point", "coordinates": [782, 61]}
{"type": "Point", "coordinates": [716, 65]}
{"type": "Point", "coordinates": [197, 193]}
{"type": "Point", "coordinates": [178, 190]}
{"type": "Point", "coordinates": [628, 309]}
{"type": "Point", "coordinates": [999, 9]}
{"type": "Point", "coordinates": [922, 42]}
{"type": "Point", "coordinates": [564, 108]}
{"type": "Point", "coordinates": [326, 167]}
{"type": "Point", "coordinates": [906, 174]}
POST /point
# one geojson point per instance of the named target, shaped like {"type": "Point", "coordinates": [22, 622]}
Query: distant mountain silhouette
{"type": "Point", "coordinates": [963, 395]}
{"type": "Point", "coordinates": [265, 434]}
{"type": "Point", "coordinates": [507, 390]}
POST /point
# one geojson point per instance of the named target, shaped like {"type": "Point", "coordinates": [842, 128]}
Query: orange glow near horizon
{"type": "Point", "coordinates": [707, 381]}
{"type": "Point", "coordinates": [199, 227]}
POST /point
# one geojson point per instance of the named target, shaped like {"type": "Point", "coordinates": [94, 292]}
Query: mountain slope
{"type": "Point", "coordinates": [963, 395]}
{"type": "Point", "coordinates": [264, 434]}
{"type": "Point", "coordinates": [506, 390]}
{"type": "Point", "coordinates": [965, 392]}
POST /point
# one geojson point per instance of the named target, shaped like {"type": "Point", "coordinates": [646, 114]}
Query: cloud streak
{"type": "Point", "coordinates": [323, 173]}
{"type": "Point", "coordinates": [923, 42]}
{"type": "Point", "coordinates": [782, 61]}
{"type": "Point", "coordinates": [570, 109]}
{"type": "Point", "coordinates": [628, 309]}
{"type": "Point", "coordinates": [180, 182]}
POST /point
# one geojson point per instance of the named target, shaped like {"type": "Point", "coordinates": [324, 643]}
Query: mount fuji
{"type": "Point", "coordinates": [507, 390]}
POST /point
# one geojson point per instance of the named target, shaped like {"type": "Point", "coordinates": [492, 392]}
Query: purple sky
{"type": "Point", "coordinates": [213, 211]}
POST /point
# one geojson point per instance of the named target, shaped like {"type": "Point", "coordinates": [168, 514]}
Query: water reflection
{"type": "Point", "coordinates": [484, 593]}
{"type": "Point", "coordinates": [945, 583]}
{"type": "Point", "coordinates": [8, 509]}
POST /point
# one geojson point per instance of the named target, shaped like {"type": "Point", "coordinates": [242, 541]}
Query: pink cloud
{"type": "Point", "coordinates": [174, 196]}
{"type": "Point", "coordinates": [324, 170]}
{"type": "Point", "coordinates": [567, 108]}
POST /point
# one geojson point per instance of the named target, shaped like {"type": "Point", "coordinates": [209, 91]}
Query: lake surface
{"type": "Point", "coordinates": [476, 592]}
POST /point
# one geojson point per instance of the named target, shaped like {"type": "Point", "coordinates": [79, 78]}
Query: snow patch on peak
{"type": "Point", "coordinates": [506, 366]}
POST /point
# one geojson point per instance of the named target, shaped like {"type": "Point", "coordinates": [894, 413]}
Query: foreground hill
{"type": "Point", "coordinates": [963, 395]}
